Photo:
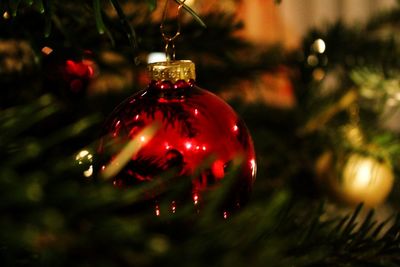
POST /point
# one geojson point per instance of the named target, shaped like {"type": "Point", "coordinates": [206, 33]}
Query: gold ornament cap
{"type": "Point", "coordinates": [172, 71]}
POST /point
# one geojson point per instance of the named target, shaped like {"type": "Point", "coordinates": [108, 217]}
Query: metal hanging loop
{"type": "Point", "coordinates": [354, 114]}
{"type": "Point", "coordinates": [169, 39]}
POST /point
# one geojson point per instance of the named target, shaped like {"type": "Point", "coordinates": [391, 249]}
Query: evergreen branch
{"type": "Point", "coordinates": [349, 227]}
{"type": "Point", "coordinates": [13, 4]}
{"type": "Point", "coordinates": [191, 12]}
{"type": "Point", "coordinates": [152, 4]}
{"type": "Point", "coordinates": [40, 6]}
{"type": "Point", "coordinates": [130, 32]}
{"type": "Point", "coordinates": [385, 18]}
{"type": "Point", "coordinates": [47, 15]}
{"type": "Point", "coordinates": [366, 226]}
{"type": "Point", "coordinates": [103, 234]}
{"type": "Point", "coordinates": [321, 119]}
{"type": "Point", "coordinates": [101, 28]}
{"type": "Point", "coordinates": [51, 215]}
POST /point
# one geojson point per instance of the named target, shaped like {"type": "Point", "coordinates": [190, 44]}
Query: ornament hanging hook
{"type": "Point", "coordinates": [169, 39]}
{"type": "Point", "coordinates": [353, 131]}
{"type": "Point", "coordinates": [354, 113]}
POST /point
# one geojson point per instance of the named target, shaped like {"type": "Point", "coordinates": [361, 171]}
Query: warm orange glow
{"type": "Point", "coordinates": [189, 2]}
{"type": "Point", "coordinates": [47, 50]}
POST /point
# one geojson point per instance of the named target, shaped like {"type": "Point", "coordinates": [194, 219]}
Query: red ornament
{"type": "Point", "coordinates": [77, 74]}
{"type": "Point", "coordinates": [67, 73]}
{"type": "Point", "coordinates": [196, 128]}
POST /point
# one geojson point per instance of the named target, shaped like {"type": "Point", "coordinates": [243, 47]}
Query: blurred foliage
{"type": "Point", "coordinates": [52, 215]}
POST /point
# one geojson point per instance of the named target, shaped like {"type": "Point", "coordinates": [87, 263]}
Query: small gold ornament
{"type": "Point", "coordinates": [365, 179]}
{"type": "Point", "coordinates": [355, 173]}
{"type": "Point", "coordinates": [357, 178]}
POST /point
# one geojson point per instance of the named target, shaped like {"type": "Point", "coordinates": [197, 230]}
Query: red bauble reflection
{"type": "Point", "coordinates": [197, 128]}
{"type": "Point", "coordinates": [67, 73]}
{"type": "Point", "coordinates": [78, 74]}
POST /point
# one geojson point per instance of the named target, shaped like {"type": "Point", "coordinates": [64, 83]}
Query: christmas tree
{"type": "Point", "coordinates": [326, 192]}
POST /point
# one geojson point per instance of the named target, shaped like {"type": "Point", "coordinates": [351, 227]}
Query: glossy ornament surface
{"type": "Point", "coordinates": [200, 138]}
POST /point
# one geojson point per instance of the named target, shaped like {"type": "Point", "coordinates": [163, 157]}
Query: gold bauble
{"type": "Point", "coordinates": [356, 178]}
{"type": "Point", "coordinates": [365, 179]}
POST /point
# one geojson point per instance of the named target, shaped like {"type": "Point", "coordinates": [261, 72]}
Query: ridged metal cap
{"type": "Point", "coordinates": [172, 71]}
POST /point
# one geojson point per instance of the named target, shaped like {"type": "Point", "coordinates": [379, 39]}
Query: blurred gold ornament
{"type": "Point", "coordinates": [365, 179]}
{"type": "Point", "coordinates": [355, 178]}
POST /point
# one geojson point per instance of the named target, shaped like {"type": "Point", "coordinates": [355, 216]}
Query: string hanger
{"type": "Point", "coordinates": [354, 114]}
{"type": "Point", "coordinates": [352, 130]}
{"type": "Point", "coordinates": [169, 39]}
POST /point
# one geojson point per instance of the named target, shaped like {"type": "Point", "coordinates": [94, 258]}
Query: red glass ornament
{"type": "Point", "coordinates": [68, 73]}
{"type": "Point", "coordinates": [78, 74]}
{"type": "Point", "coordinates": [196, 128]}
